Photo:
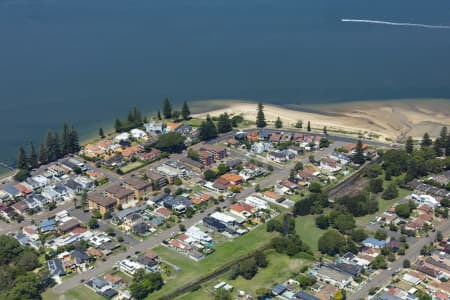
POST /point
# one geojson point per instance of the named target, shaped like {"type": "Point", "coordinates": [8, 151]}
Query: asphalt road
{"type": "Point", "coordinates": [385, 276]}
{"type": "Point", "coordinates": [105, 266]}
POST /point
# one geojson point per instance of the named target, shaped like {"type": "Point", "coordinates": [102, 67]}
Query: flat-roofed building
{"type": "Point", "coordinates": [101, 203]}
{"type": "Point", "coordinates": [120, 194]}
{"type": "Point", "coordinates": [138, 185]}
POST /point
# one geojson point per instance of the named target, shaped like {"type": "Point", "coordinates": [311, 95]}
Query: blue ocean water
{"type": "Point", "coordinates": [87, 62]}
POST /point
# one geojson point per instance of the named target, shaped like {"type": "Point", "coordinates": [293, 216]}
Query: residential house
{"type": "Point", "coordinates": [163, 212]}
{"type": "Point", "coordinates": [374, 243]}
{"type": "Point", "coordinates": [171, 127]}
{"type": "Point", "coordinates": [74, 186]}
{"type": "Point", "coordinates": [200, 199]}
{"type": "Point", "coordinates": [138, 134]}
{"type": "Point", "coordinates": [20, 207]}
{"type": "Point", "coordinates": [342, 158]}
{"type": "Point", "coordinates": [131, 151]}
{"type": "Point", "coordinates": [305, 296]}
{"type": "Point", "coordinates": [12, 191]}
{"type": "Point", "coordinates": [140, 228]}
{"type": "Point", "coordinates": [24, 189]}
{"type": "Point", "coordinates": [329, 165]}
{"type": "Point", "coordinates": [242, 210]}
{"type": "Point", "coordinates": [280, 156]}
{"type": "Point", "coordinates": [153, 154]}
{"type": "Point", "coordinates": [272, 197]}
{"type": "Point", "coordinates": [260, 147]}
{"type": "Point", "coordinates": [47, 226]}
{"type": "Point", "coordinates": [149, 264]}
{"type": "Point", "coordinates": [334, 277]}
{"type": "Point", "coordinates": [252, 136]}
{"type": "Point", "coordinates": [256, 202]}
{"type": "Point", "coordinates": [138, 185]}
{"type": "Point", "coordinates": [68, 226]}
{"type": "Point", "coordinates": [177, 203]}
{"type": "Point", "coordinates": [123, 137]}
{"type": "Point", "coordinates": [80, 257]}
{"type": "Point", "coordinates": [154, 127]}
{"type": "Point", "coordinates": [55, 267]}
{"type": "Point", "coordinates": [101, 203]}
{"type": "Point", "coordinates": [114, 280]}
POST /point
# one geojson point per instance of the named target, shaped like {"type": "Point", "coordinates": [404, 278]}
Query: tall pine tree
{"type": "Point", "coordinates": [167, 109]}
{"type": "Point", "coordinates": [409, 147]}
{"type": "Point", "coordinates": [426, 141]}
{"type": "Point", "coordinates": [43, 154]}
{"type": "Point", "coordinates": [74, 141]}
{"type": "Point", "coordinates": [65, 140]}
{"type": "Point", "coordinates": [185, 111]}
{"type": "Point", "coordinates": [207, 129]}
{"type": "Point", "coordinates": [34, 163]}
{"type": "Point", "coordinates": [260, 117]}
{"type": "Point", "coordinates": [118, 125]}
{"type": "Point", "coordinates": [224, 123]}
{"type": "Point", "coordinates": [22, 159]}
{"type": "Point", "coordinates": [278, 123]}
{"type": "Point", "coordinates": [58, 148]}
{"type": "Point", "coordinates": [359, 158]}
{"type": "Point", "coordinates": [309, 126]}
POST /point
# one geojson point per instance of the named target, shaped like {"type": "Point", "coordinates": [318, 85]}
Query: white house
{"type": "Point", "coordinates": [154, 127]}
{"type": "Point", "coordinates": [256, 202]}
{"type": "Point", "coordinates": [129, 266]}
{"type": "Point", "coordinates": [195, 233]}
{"type": "Point", "coordinates": [425, 199]}
{"type": "Point", "coordinates": [122, 137]}
{"type": "Point", "coordinates": [223, 218]}
{"type": "Point", "coordinates": [138, 134]}
{"type": "Point", "coordinates": [260, 147]}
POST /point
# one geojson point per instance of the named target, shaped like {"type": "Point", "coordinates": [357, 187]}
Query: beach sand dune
{"type": "Point", "coordinates": [395, 119]}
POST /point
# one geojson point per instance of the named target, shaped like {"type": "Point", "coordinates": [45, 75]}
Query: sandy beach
{"type": "Point", "coordinates": [391, 120]}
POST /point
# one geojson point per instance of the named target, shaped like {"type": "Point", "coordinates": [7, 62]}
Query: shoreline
{"type": "Point", "coordinates": [389, 119]}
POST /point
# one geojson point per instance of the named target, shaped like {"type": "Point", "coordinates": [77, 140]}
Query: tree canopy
{"type": "Point", "coordinates": [171, 142]}
{"type": "Point", "coordinates": [260, 117]}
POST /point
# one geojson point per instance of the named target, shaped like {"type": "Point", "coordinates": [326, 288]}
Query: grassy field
{"type": "Point", "coordinates": [78, 293]}
{"type": "Point", "coordinates": [280, 268]}
{"type": "Point", "coordinates": [225, 253]}
{"type": "Point", "coordinates": [306, 228]}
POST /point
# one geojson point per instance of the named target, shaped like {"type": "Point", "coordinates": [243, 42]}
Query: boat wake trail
{"type": "Point", "coordinates": [397, 24]}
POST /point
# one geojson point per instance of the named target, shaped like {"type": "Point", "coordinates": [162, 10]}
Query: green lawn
{"type": "Point", "coordinates": [132, 166]}
{"type": "Point", "coordinates": [306, 228]}
{"type": "Point", "coordinates": [280, 268]}
{"type": "Point", "coordinates": [225, 253]}
{"type": "Point", "coordinates": [199, 294]}
{"type": "Point", "coordinates": [78, 293]}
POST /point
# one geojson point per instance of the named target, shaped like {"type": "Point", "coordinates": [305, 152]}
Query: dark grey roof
{"type": "Point", "coordinates": [80, 256]}
{"type": "Point", "coordinates": [305, 296]}
{"type": "Point", "coordinates": [72, 184]}
{"type": "Point", "coordinates": [55, 267]}
{"type": "Point", "coordinates": [171, 201]}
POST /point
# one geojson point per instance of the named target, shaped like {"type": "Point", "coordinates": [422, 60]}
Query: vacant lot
{"type": "Point", "coordinates": [225, 253]}
{"type": "Point", "coordinates": [80, 292]}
